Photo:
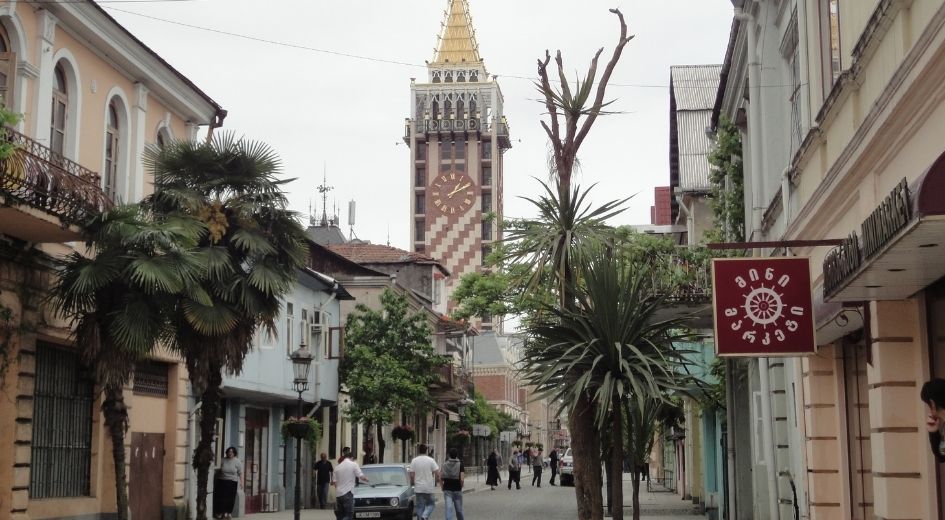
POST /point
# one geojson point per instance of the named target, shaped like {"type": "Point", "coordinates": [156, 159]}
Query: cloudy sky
{"type": "Point", "coordinates": [326, 83]}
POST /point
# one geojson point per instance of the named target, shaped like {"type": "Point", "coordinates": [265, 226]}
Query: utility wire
{"type": "Point", "coordinates": [356, 56]}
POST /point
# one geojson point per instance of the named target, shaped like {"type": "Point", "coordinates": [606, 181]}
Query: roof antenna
{"type": "Point", "coordinates": [324, 188]}
{"type": "Point", "coordinates": [388, 235]}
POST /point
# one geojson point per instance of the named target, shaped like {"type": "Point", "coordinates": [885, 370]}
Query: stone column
{"type": "Point", "coordinates": [826, 481]}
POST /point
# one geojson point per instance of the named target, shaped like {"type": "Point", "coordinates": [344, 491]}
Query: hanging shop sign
{"type": "Point", "coordinates": [763, 307]}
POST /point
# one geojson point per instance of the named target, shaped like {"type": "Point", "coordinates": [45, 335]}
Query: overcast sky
{"type": "Point", "coordinates": [344, 113]}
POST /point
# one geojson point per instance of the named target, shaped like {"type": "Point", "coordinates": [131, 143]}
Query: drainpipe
{"type": "Point", "coordinates": [771, 469]}
{"type": "Point", "coordinates": [786, 195]}
{"type": "Point", "coordinates": [732, 510]}
{"type": "Point", "coordinates": [754, 118]}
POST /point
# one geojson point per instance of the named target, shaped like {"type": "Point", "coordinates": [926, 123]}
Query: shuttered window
{"type": "Point", "coordinates": [7, 71]}
{"type": "Point", "coordinates": [62, 425]}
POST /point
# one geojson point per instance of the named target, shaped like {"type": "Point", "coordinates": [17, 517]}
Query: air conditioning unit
{"type": "Point", "coordinates": [316, 324]}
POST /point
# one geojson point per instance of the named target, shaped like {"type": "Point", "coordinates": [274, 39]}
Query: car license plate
{"type": "Point", "coordinates": [368, 514]}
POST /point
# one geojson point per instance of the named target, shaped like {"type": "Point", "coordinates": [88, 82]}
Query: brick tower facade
{"type": "Point", "coordinates": [457, 136]}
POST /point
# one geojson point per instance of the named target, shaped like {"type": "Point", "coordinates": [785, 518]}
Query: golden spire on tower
{"type": "Point", "coordinates": [457, 43]}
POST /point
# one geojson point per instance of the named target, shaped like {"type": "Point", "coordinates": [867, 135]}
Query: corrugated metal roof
{"type": "Point", "coordinates": [695, 86]}
{"type": "Point", "coordinates": [694, 148]}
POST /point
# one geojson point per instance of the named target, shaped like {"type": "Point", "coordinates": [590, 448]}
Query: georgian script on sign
{"type": "Point", "coordinates": [762, 306]}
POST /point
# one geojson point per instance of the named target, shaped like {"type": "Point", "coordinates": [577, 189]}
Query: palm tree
{"type": "Point", "coordinates": [251, 247]}
{"type": "Point", "coordinates": [609, 348]}
{"type": "Point", "coordinates": [120, 299]}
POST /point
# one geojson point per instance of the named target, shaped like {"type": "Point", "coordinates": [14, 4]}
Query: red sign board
{"type": "Point", "coordinates": [762, 307]}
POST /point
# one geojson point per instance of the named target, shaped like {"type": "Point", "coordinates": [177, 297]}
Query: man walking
{"type": "Point", "coordinates": [536, 468]}
{"type": "Point", "coordinates": [553, 462]}
{"type": "Point", "coordinates": [515, 470]}
{"type": "Point", "coordinates": [453, 475]}
{"type": "Point", "coordinates": [346, 476]}
{"type": "Point", "coordinates": [323, 471]}
{"type": "Point", "coordinates": [424, 474]}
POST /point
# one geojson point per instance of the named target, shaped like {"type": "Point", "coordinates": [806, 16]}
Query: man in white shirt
{"type": "Point", "coordinates": [346, 475]}
{"type": "Point", "coordinates": [424, 476]}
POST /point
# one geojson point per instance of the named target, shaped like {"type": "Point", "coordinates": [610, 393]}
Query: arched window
{"type": "Point", "coordinates": [436, 77]}
{"type": "Point", "coordinates": [460, 77]}
{"type": "Point", "coordinates": [472, 108]}
{"type": "Point", "coordinates": [7, 69]}
{"type": "Point", "coordinates": [111, 151]}
{"type": "Point", "coordinates": [60, 106]}
{"type": "Point", "coordinates": [449, 77]}
{"type": "Point", "coordinates": [473, 77]}
{"type": "Point", "coordinates": [163, 137]}
{"type": "Point", "coordinates": [435, 110]}
{"type": "Point", "coordinates": [447, 109]}
{"type": "Point", "coordinates": [459, 110]}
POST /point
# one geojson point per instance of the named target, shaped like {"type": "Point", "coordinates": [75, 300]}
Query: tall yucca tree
{"type": "Point", "coordinates": [120, 298]}
{"type": "Point", "coordinates": [571, 114]}
{"type": "Point", "coordinates": [251, 248]}
{"type": "Point", "coordinates": [610, 348]}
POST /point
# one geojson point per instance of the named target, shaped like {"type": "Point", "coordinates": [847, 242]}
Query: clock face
{"type": "Point", "coordinates": [453, 193]}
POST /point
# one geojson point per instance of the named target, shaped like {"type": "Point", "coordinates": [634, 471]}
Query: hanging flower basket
{"type": "Point", "coordinates": [517, 444]}
{"type": "Point", "coordinates": [461, 436]}
{"type": "Point", "coordinates": [402, 432]}
{"type": "Point", "coordinates": [296, 428]}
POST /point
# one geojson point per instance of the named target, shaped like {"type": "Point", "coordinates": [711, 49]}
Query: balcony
{"type": "Point", "coordinates": [452, 383]}
{"type": "Point", "coordinates": [685, 284]}
{"type": "Point", "coordinates": [45, 197]}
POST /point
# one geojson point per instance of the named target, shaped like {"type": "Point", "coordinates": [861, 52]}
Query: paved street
{"type": "Point", "coordinates": [528, 503]}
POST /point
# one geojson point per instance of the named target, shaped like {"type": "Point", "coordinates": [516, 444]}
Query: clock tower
{"type": "Point", "coordinates": [457, 136]}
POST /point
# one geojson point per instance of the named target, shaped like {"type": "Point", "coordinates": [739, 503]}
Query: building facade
{"type": "Point", "coordinates": [841, 108]}
{"type": "Point", "coordinates": [92, 97]}
{"type": "Point", "coordinates": [457, 135]}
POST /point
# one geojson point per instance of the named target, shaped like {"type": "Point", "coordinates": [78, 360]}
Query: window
{"type": "Point", "coordinates": [435, 109]}
{"type": "Point", "coordinates": [446, 151]}
{"type": "Point", "coordinates": [421, 151]}
{"type": "Point", "coordinates": [473, 76]}
{"type": "Point", "coordinates": [420, 228]}
{"type": "Point", "coordinates": [421, 177]}
{"type": "Point", "coordinates": [289, 325]}
{"type": "Point", "coordinates": [150, 379]}
{"type": "Point", "coordinates": [472, 108]}
{"type": "Point", "coordinates": [420, 204]}
{"type": "Point", "coordinates": [487, 151]}
{"type": "Point", "coordinates": [486, 202]}
{"type": "Point", "coordinates": [447, 109]}
{"type": "Point", "coordinates": [336, 345]}
{"type": "Point", "coordinates": [793, 57]}
{"type": "Point", "coordinates": [486, 251]}
{"type": "Point", "coordinates": [487, 230]}
{"type": "Point", "coordinates": [60, 104]}
{"type": "Point", "coordinates": [459, 150]}
{"type": "Point", "coordinates": [858, 427]}
{"type": "Point", "coordinates": [459, 110]}
{"type": "Point", "coordinates": [7, 70]}
{"type": "Point", "coordinates": [487, 175]}
{"type": "Point", "coordinates": [111, 151]}
{"type": "Point", "coordinates": [63, 404]}
{"type": "Point", "coordinates": [163, 137]}
{"type": "Point", "coordinates": [830, 42]}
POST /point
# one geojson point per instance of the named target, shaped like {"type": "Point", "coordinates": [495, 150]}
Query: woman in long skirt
{"type": "Point", "coordinates": [229, 478]}
{"type": "Point", "coordinates": [492, 478]}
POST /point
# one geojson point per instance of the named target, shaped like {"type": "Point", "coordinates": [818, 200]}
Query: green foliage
{"type": "Point", "coordinates": [481, 412]}
{"type": "Point", "coordinates": [313, 432]}
{"type": "Point", "coordinates": [728, 185]}
{"type": "Point", "coordinates": [389, 361]}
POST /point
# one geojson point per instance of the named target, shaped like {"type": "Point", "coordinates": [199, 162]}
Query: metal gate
{"type": "Point", "coordinates": [145, 483]}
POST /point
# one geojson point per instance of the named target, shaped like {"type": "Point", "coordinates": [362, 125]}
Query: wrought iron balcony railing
{"type": "Point", "coordinates": [45, 180]}
{"type": "Point", "coordinates": [683, 281]}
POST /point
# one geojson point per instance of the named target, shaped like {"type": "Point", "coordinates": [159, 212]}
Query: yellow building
{"type": "Point", "coordinates": [842, 106]}
{"type": "Point", "coordinates": [92, 97]}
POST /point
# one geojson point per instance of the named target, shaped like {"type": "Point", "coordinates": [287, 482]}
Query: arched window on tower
{"type": "Point", "coordinates": [449, 77]}
{"type": "Point", "coordinates": [459, 110]}
{"type": "Point", "coordinates": [435, 109]}
{"type": "Point", "coordinates": [7, 70]}
{"type": "Point", "coordinates": [473, 77]}
{"type": "Point", "coordinates": [436, 77]}
{"type": "Point", "coordinates": [472, 108]}
{"type": "Point", "coordinates": [112, 141]}
{"type": "Point", "coordinates": [447, 109]}
{"type": "Point", "coordinates": [60, 106]}
{"type": "Point", "coordinates": [461, 77]}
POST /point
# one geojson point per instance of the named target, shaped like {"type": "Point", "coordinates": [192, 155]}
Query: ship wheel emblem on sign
{"type": "Point", "coordinates": [762, 306]}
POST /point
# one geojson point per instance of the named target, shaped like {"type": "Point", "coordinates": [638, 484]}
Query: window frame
{"type": "Point", "coordinates": [113, 154]}
{"type": "Point", "coordinates": [60, 107]}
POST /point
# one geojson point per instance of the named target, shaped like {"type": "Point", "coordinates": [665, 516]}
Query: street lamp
{"type": "Point", "coordinates": [301, 363]}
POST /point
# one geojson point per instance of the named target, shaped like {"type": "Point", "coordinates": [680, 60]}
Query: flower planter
{"type": "Point", "coordinates": [298, 430]}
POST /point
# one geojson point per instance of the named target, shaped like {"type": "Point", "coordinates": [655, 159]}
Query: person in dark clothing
{"type": "Point", "coordinates": [553, 462]}
{"type": "Point", "coordinates": [515, 470]}
{"type": "Point", "coordinates": [536, 468]}
{"type": "Point", "coordinates": [492, 478]}
{"type": "Point", "coordinates": [323, 470]}
{"type": "Point", "coordinates": [933, 395]}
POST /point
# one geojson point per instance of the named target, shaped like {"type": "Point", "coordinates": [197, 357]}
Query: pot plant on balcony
{"type": "Point", "coordinates": [516, 444]}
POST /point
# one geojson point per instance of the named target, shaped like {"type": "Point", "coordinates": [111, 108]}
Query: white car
{"type": "Point", "coordinates": [566, 468]}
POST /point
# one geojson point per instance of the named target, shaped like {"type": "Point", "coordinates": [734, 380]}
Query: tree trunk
{"type": "Point", "coordinates": [203, 453]}
{"type": "Point", "coordinates": [585, 448]}
{"type": "Point", "coordinates": [116, 420]}
{"type": "Point", "coordinates": [381, 444]}
{"type": "Point", "coordinates": [636, 495]}
{"type": "Point", "coordinates": [616, 458]}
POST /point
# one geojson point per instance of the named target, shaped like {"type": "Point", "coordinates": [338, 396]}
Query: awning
{"type": "Point", "coordinates": [903, 245]}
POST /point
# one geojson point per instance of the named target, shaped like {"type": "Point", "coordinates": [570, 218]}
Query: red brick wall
{"type": "Point", "coordinates": [661, 213]}
{"type": "Point", "coordinates": [491, 387]}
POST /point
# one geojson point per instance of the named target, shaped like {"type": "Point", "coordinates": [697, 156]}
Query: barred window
{"type": "Point", "coordinates": [151, 379]}
{"type": "Point", "coordinates": [61, 450]}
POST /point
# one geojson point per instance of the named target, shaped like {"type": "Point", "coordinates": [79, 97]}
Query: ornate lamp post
{"type": "Point", "coordinates": [301, 363]}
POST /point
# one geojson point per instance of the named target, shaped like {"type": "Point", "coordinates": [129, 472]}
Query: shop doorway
{"type": "Point", "coordinates": [256, 461]}
{"type": "Point", "coordinates": [935, 307]}
{"type": "Point", "coordinates": [145, 485]}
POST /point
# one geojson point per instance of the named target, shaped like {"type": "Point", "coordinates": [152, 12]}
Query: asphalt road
{"type": "Point", "coordinates": [529, 503]}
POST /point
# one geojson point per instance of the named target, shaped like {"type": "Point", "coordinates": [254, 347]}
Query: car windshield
{"type": "Point", "coordinates": [567, 453]}
{"type": "Point", "coordinates": [385, 476]}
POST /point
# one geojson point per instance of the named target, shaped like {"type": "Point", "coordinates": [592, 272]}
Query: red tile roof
{"type": "Point", "coordinates": [381, 254]}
